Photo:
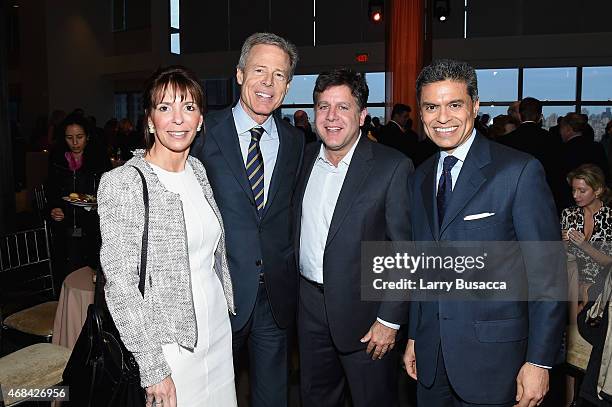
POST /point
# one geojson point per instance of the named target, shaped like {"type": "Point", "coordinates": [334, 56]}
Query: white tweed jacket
{"type": "Point", "coordinates": [166, 313]}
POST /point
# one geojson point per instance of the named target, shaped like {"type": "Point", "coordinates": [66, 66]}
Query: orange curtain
{"type": "Point", "coordinates": [405, 51]}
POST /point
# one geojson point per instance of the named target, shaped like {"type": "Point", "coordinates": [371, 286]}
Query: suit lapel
{"type": "Point", "coordinates": [428, 191]}
{"type": "Point", "coordinates": [225, 135]}
{"type": "Point", "coordinates": [279, 167]}
{"type": "Point", "coordinates": [360, 167]}
{"type": "Point", "coordinates": [470, 180]}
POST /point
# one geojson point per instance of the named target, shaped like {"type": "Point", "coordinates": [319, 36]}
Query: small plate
{"type": "Point", "coordinates": [80, 203]}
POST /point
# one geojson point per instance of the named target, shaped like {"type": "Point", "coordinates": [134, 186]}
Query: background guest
{"type": "Point", "coordinates": [397, 134]}
{"type": "Point", "coordinates": [502, 125]}
{"type": "Point", "coordinates": [75, 166]}
{"type": "Point", "coordinates": [588, 224]}
{"type": "Point", "coordinates": [577, 150]}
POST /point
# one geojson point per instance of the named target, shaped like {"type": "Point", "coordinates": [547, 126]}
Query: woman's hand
{"type": "Point", "coordinates": [576, 237]}
{"type": "Point", "coordinates": [57, 214]}
{"type": "Point", "coordinates": [565, 235]}
{"type": "Point", "coordinates": [162, 394]}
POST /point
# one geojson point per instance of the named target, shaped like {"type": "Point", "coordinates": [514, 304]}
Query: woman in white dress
{"type": "Point", "coordinates": [179, 332]}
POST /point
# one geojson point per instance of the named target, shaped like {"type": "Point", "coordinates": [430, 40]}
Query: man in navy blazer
{"type": "Point", "coordinates": [489, 353]}
{"type": "Point", "coordinates": [351, 190]}
{"type": "Point", "coordinates": [245, 146]}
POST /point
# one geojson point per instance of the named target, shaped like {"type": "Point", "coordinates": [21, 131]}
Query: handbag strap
{"type": "Point", "coordinates": [145, 233]}
{"type": "Point", "coordinates": [99, 299]}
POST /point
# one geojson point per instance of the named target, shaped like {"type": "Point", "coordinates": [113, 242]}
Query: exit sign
{"type": "Point", "coordinates": [363, 58]}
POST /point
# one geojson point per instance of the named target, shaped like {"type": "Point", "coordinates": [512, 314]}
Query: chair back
{"type": "Point", "coordinates": [25, 264]}
{"type": "Point", "coordinates": [40, 200]}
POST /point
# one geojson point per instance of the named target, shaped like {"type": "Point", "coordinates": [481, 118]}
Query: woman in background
{"type": "Point", "coordinates": [588, 224]}
{"type": "Point", "coordinates": [75, 166]}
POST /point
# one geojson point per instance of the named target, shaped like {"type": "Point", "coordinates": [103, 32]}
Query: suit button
{"type": "Point", "coordinates": [259, 262]}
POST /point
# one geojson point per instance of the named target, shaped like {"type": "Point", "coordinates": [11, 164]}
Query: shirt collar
{"type": "Point", "coordinates": [244, 122]}
{"type": "Point", "coordinates": [397, 124]}
{"type": "Point", "coordinates": [460, 152]}
{"type": "Point", "coordinates": [346, 160]}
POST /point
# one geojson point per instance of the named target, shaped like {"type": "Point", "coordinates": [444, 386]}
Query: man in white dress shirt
{"type": "Point", "coordinates": [351, 190]}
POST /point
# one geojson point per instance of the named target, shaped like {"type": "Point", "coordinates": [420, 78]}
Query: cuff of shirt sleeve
{"type": "Point", "coordinates": [388, 324]}
{"type": "Point", "coordinates": [542, 366]}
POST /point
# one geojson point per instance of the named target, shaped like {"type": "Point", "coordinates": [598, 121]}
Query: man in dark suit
{"type": "Point", "coordinates": [351, 190]}
{"type": "Point", "coordinates": [300, 119]}
{"type": "Point", "coordinates": [397, 133]}
{"type": "Point", "coordinates": [531, 138]}
{"type": "Point", "coordinates": [253, 162]}
{"type": "Point", "coordinates": [489, 353]}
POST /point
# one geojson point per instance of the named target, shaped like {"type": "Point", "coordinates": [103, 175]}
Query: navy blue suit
{"type": "Point", "coordinates": [257, 245]}
{"type": "Point", "coordinates": [484, 344]}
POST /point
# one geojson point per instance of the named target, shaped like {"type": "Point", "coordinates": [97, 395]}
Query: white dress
{"type": "Point", "coordinates": [204, 377]}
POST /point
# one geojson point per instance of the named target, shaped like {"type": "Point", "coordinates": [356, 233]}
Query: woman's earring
{"type": "Point", "coordinates": [199, 127]}
{"type": "Point", "coordinates": [151, 129]}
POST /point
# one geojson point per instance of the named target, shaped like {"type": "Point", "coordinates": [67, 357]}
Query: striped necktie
{"type": "Point", "coordinates": [255, 168]}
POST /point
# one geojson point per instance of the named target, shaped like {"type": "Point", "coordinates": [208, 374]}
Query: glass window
{"type": "Point", "coordinates": [376, 85]}
{"type": "Point", "coordinates": [174, 14]}
{"type": "Point", "coordinates": [597, 83]}
{"type": "Point", "coordinates": [599, 116]}
{"type": "Point", "coordinates": [121, 105]}
{"type": "Point", "coordinates": [300, 90]}
{"type": "Point", "coordinates": [135, 110]}
{"type": "Point", "coordinates": [497, 84]}
{"type": "Point", "coordinates": [492, 111]}
{"type": "Point", "coordinates": [550, 83]}
{"type": "Point", "coordinates": [377, 112]}
{"type": "Point", "coordinates": [175, 43]}
{"type": "Point", "coordinates": [288, 112]}
{"type": "Point", "coordinates": [552, 113]}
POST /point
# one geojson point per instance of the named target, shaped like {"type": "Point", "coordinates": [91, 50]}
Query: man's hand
{"type": "Point", "coordinates": [410, 359]}
{"type": "Point", "coordinates": [381, 340]}
{"type": "Point", "coordinates": [531, 385]}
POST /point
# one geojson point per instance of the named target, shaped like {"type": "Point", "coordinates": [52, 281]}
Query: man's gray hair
{"type": "Point", "coordinates": [269, 39]}
{"type": "Point", "coordinates": [448, 69]}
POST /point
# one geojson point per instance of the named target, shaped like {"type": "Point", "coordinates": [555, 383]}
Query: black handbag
{"type": "Point", "coordinates": [101, 372]}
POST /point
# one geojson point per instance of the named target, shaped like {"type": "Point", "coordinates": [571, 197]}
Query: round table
{"type": "Point", "coordinates": [76, 295]}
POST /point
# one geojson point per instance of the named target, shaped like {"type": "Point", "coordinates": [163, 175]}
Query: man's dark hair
{"type": "Point", "coordinates": [530, 109]}
{"type": "Point", "coordinates": [354, 80]}
{"type": "Point", "coordinates": [400, 108]}
{"type": "Point", "coordinates": [448, 69]}
{"type": "Point", "coordinates": [576, 121]}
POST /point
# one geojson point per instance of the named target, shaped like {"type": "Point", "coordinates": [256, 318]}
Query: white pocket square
{"type": "Point", "coordinates": [479, 216]}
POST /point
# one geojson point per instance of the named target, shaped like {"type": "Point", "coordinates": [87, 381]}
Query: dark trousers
{"type": "Point", "coordinates": [325, 372]}
{"type": "Point", "coordinates": [441, 393]}
{"type": "Point", "coordinates": [268, 354]}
